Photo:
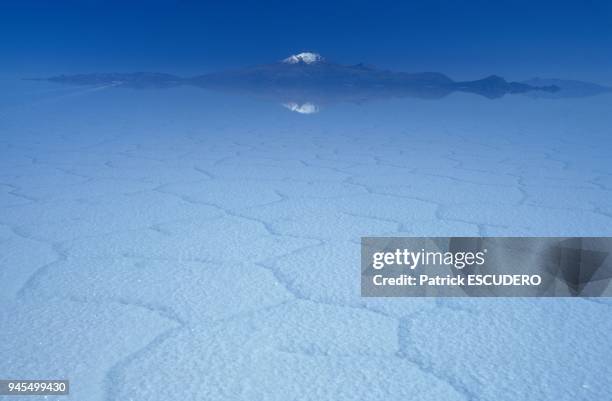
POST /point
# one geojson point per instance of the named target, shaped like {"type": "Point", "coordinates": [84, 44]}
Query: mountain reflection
{"type": "Point", "coordinates": [304, 108]}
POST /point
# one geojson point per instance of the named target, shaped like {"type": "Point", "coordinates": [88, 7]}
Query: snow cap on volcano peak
{"type": "Point", "coordinates": [304, 57]}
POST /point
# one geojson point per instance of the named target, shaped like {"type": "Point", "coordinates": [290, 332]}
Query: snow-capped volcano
{"type": "Point", "coordinates": [305, 57]}
{"type": "Point", "coordinates": [308, 76]}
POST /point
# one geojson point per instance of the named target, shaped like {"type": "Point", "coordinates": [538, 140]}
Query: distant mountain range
{"type": "Point", "coordinates": [308, 74]}
{"type": "Point", "coordinates": [567, 88]}
{"type": "Point", "coordinates": [309, 78]}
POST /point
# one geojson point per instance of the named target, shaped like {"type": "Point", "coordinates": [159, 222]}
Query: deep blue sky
{"type": "Point", "coordinates": [465, 39]}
